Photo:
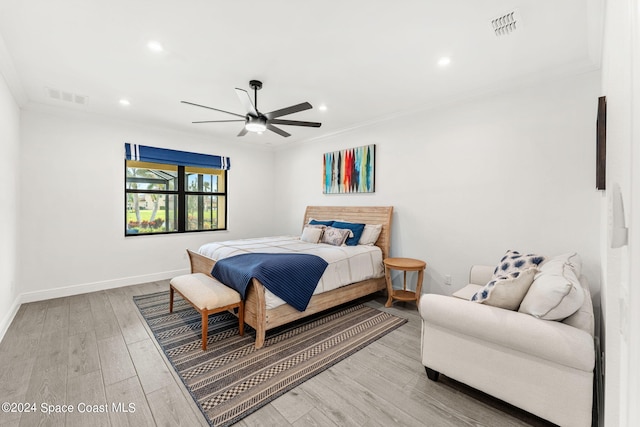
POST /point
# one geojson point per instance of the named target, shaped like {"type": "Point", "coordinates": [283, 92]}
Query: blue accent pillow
{"type": "Point", "coordinates": [515, 261]}
{"type": "Point", "coordinates": [318, 222]}
{"type": "Point", "coordinates": [355, 228]}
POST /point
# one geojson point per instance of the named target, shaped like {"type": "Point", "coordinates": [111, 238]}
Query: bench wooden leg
{"type": "Point", "coordinates": [171, 291]}
{"type": "Point", "coordinates": [241, 318]}
{"type": "Point", "coordinates": [205, 327]}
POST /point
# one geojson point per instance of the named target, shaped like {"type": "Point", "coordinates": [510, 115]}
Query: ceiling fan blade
{"type": "Point", "coordinates": [211, 108]}
{"type": "Point", "coordinates": [277, 130]}
{"type": "Point", "coordinates": [217, 121]}
{"type": "Point", "coordinates": [243, 132]}
{"type": "Point", "coordinates": [289, 110]}
{"type": "Point", "coordinates": [245, 100]}
{"type": "Point", "coordinates": [295, 123]}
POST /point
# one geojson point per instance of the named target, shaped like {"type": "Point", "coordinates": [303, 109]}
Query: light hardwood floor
{"type": "Point", "coordinates": [95, 349]}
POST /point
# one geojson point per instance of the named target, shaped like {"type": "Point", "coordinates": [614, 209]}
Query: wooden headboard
{"type": "Point", "coordinates": [359, 214]}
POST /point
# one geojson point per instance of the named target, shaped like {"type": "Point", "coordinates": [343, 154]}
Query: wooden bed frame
{"type": "Point", "coordinates": [257, 316]}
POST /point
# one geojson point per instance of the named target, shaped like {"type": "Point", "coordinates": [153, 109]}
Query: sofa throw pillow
{"type": "Point", "coordinates": [506, 291]}
{"type": "Point", "coordinates": [335, 236]}
{"type": "Point", "coordinates": [556, 292]}
{"type": "Point", "coordinates": [312, 234]}
{"type": "Point", "coordinates": [515, 261]}
{"type": "Point", "coordinates": [370, 234]}
{"type": "Point", "coordinates": [356, 231]}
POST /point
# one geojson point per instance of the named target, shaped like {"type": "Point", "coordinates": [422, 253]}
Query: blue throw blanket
{"type": "Point", "coordinates": [292, 277]}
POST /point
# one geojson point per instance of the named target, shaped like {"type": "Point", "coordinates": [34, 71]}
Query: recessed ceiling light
{"type": "Point", "coordinates": [322, 107]}
{"type": "Point", "coordinates": [444, 61]}
{"type": "Point", "coordinates": [155, 46]}
{"type": "Point", "coordinates": [124, 102]}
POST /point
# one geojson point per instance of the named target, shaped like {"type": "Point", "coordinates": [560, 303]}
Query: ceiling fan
{"type": "Point", "coordinates": [254, 120]}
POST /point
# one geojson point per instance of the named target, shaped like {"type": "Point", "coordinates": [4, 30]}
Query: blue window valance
{"type": "Point", "coordinates": [144, 153]}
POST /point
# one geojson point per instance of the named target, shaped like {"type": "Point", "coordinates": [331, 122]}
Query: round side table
{"type": "Point", "coordinates": [403, 264]}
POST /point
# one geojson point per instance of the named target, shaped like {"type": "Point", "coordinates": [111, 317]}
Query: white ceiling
{"type": "Point", "coordinates": [364, 59]}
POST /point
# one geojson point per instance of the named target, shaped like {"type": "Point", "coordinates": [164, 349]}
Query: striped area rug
{"type": "Point", "coordinates": [232, 379]}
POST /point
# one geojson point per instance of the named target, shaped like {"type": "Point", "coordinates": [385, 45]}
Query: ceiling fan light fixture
{"type": "Point", "coordinates": [255, 124]}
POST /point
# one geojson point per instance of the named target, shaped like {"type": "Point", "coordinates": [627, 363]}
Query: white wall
{"type": "Point", "coordinates": [621, 273]}
{"type": "Point", "coordinates": [9, 148]}
{"type": "Point", "coordinates": [512, 170]}
{"type": "Point", "coordinates": [72, 213]}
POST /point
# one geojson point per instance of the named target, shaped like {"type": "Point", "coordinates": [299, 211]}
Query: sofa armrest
{"type": "Point", "coordinates": [481, 274]}
{"type": "Point", "coordinates": [547, 339]}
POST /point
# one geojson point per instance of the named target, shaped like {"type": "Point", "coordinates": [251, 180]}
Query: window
{"type": "Point", "coordinates": [173, 198]}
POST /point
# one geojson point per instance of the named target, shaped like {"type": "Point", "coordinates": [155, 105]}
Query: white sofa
{"type": "Point", "coordinates": [542, 366]}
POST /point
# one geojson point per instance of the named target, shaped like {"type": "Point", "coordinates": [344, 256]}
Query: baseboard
{"type": "Point", "coordinates": [8, 318]}
{"type": "Point", "coordinates": [67, 291]}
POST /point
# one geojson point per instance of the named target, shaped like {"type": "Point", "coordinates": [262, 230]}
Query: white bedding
{"type": "Point", "coordinates": [347, 264]}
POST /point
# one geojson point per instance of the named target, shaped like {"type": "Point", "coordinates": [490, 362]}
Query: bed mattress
{"type": "Point", "coordinates": [347, 264]}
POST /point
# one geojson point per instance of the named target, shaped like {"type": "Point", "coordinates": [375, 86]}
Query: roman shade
{"type": "Point", "coordinates": [143, 153]}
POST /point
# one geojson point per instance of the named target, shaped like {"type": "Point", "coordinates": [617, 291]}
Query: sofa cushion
{"type": "Point", "coordinates": [515, 261]}
{"type": "Point", "coordinates": [467, 292]}
{"type": "Point", "coordinates": [506, 291]}
{"type": "Point", "coordinates": [556, 292]}
{"type": "Point", "coordinates": [485, 325]}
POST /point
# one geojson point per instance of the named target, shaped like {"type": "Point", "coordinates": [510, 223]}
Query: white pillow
{"type": "Point", "coordinates": [556, 292]}
{"type": "Point", "coordinates": [370, 234]}
{"type": "Point", "coordinates": [506, 291]}
{"type": "Point", "coordinates": [311, 234]}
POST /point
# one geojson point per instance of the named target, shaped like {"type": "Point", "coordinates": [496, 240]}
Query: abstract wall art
{"type": "Point", "coordinates": [349, 171]}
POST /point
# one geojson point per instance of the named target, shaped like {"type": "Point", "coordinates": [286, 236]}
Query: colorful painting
{"type": "Point", "coordinates": [350, 171]}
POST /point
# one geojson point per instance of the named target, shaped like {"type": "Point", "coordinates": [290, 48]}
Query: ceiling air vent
{"type": "Point", "coordinates": [60, 95]}
{"type": "Point", "coordinates": [507, 23]}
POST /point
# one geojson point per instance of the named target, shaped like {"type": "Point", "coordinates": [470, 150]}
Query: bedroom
{"type": "Point", "coordinates": [446, 191]}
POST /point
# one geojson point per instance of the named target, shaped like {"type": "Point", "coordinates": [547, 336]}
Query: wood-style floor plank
{"type": "Point", "coordinates": [104, 318]}
{"type": "Point", "coordinates": [80, 316]}
{"type": "Point", "coordinates": [131, 403]}
{"type": "Point", "coordinates": [153, 373]}
{"type": "Point", "coordinates": [115, 360]}
{"type": "Point", "coordinates": [48, 380]}
{"type": "Point", "coordinates": [83, 354]}
{"type": "Point", "coordinates": [125, 310]}
{"type": "Point", "coordinates": [171, 409]}
{"type": "Point", "coordinates": [86, 393]}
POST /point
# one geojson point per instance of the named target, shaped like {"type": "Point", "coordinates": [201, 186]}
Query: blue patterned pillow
{"type": "Point", "coordinates": [515, 261]}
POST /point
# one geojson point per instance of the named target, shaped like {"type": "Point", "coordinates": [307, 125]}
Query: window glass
{"type": "Point", "coordinates": [204, 180]}
{"type": "Point", "coordinates": [159, 201]}
{"type": "Point", "coordinates": [151, 213]}
{"type": "Point", "coordinates": [151, 176]}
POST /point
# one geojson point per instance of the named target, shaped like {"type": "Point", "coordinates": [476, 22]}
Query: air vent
{"type": "Point", "coordinates": [61, 95]}
{"type": "Point", "coordinates": [507, 23]}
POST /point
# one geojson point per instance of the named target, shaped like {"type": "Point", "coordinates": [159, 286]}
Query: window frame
{"type": "Point", "coordinates": [181, 201]}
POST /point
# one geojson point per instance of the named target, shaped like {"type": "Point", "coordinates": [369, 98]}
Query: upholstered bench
{"type": "Point", "coordinates": [208, 296]}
